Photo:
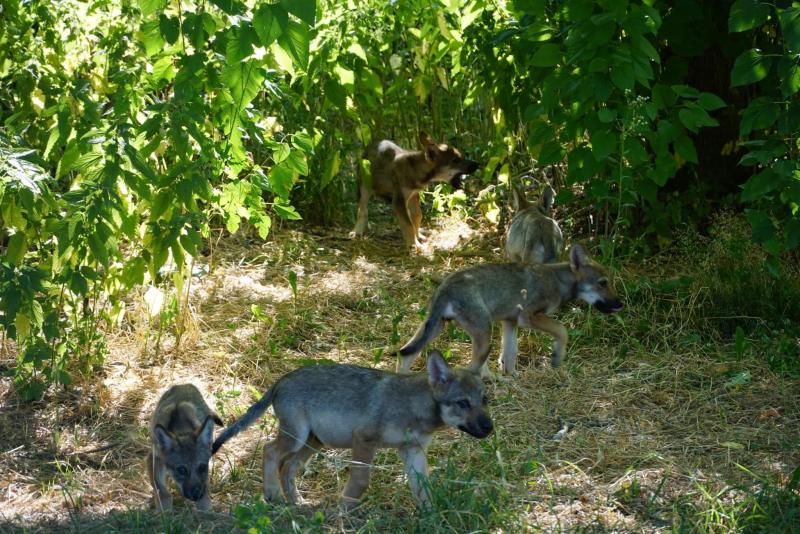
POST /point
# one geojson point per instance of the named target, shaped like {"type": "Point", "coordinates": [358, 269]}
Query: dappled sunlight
{"type": "Point", "coordinates": [447, 234]}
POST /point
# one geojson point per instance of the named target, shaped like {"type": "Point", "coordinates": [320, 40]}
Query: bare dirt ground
{"type": "Point", "coordinates": [644, 419]}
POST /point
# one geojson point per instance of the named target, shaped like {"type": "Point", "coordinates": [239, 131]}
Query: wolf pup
{"type": "Point", "coordinates": [532, 236]}
{"type": "Point", "coordinates": [181, 431]}
{"type": "Point", "coordinates": [350, 407]}
{"type": "Point", "coordinates": [398, 175]}
{"type": "Point", "coordinates": [518, 295]}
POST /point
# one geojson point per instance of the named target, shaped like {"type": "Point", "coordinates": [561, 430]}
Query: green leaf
{"type": "Point", "coordinates": [240, 43]}
{"type": "Point", "coordinates": [622, 76]}
{"type": "Point", "coordinates": [663, 96]}
{"type": "Point", "coordinates": [281, 179]}
{"type": "Point", "coordinates": [750, 67]}
{"type": "Point", "coordinates": [605, 115]}
{"type": "Point", "coordinates": [548, 55]}
{"type": "Point", "coordinates": [98, 248]}
{"type": "Point", "coordinates": [346, 76]}
{"type": "Point", "coordinates": [231, 7]}
{"type": "Point", "coordinates": [297, 161]}
{"type": "Point", "coordinates": [148, 7]}
{"type": "Point", "coordinates": [694, 117]}
{"type": "Point", "coordinates": [710, 101]}
{"type": "Point", "coordinates": [305, 10]}
{"type": "Point", "coordinates": [757, 186]}
{"type": "Point", "coordinates": [244, 80]}
{"type": "Point", "coordinates": [760, 114]}
{"type": "Point", "coordinates": [357, 50]}
{"type": "Point", "coordinates": [534, 7]}
{"type": "Point", "coordinates": [169, 28]}
{"type": "Point", "coordinates": [335, 94]}
{"type": "Point", "coordinates": [303, 141]}
{"type": "Point", "coordinates": [747, 14]}
{"type": "Point", "coordinates": [281, 152]}
{"type": "Point", "coordinates": [17, 247]}
{"type": "Point", "coordinates": [685, 148]}
{"type": "Point", "coordinates": [603, 144]}
{"type": "Point", "coordinates": [641, 43]}
{"type": "Point", "coordinates": [790, 77]}
{"type": "Point", "coordinates": [763, 228]}
{"type": "Point", "coordinates": [269, 21]}
{"type": "Point", "coordinates": [552, 152]}
{"type": "Point", "coordinates": [286, 211]}
{"type": "Point", "coordinates": [331, 169]}
{"type": "Point", "coordinates": [790, 27]}
{"type": "Point", "coordinates": [150, 36]}
{"type": "Point", "coordinates": [295, 41]}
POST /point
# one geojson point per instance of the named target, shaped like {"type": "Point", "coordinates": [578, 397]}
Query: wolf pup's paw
{"type": "Point", "coordinates": [349, 503]}
{"type": "Point", "coordinates": [204, 504]}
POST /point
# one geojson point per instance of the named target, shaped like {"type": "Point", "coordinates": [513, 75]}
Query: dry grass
{"type": "Point", "coordinates": [644, 415]}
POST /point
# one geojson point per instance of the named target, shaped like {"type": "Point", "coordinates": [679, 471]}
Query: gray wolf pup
{"type": "Point", "coordinates": [518, 295]}
{"type": "Point", "coordinates": [532, 236]}
{"type": "Point", "coordinates": [398, 175]}
{"type": "Point", "coordinates": [350, 407]}
{"type": "Point", "coordinates": [181, 431]}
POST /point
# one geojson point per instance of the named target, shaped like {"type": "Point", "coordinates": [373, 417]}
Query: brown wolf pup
{"type": "Point", "coordinates": [532, 236]}
{"type": "Point", "coordinates": [398, 175]}
{"type": "Point", "coordinates": [181, 431]}
{"type": "Point", "coordinates": [363, 409]}
{"type": "Point", "coordinates": [518, 295]}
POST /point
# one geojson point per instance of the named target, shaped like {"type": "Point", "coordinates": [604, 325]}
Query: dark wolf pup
{"type": "Point", "coordinates": [398, 175]}
{"type": "Point", "coordinates": [518, 295]}
{"type": "Point", "coordinates": [181, 431]}
{"type": "Point", "coordinates": [350, 407]}
{"type": "Point", "coordinates": [532, 236]}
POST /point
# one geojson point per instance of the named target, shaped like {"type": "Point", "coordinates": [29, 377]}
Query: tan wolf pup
{"type": "Point", "coordinates": [363, 409]}
{"type": "Point", "coordinates": [518, 295]}
{"type": "Point", "coordinates": [532, 236]}
{"type": "Point", "coordinates": [398, 175]}
{"type": "Point", "coordinates": [181, 431]}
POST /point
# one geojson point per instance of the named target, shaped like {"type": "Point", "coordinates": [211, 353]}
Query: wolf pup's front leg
{"type": "Point", "coordinates": [157, 473]}
{"type": "Point", "coordinates": [415, 465]}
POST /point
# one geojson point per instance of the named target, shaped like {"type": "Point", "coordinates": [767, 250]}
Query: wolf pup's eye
{"type": "Point", "coordinates": [182, 471]}
{"type": "Point", "coordinates": [602, 282]}
{"type": "Point", "coordinates": [463, 404]}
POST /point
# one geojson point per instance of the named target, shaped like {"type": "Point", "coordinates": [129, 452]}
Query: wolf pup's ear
{"type": "Point", "coordinates": [164, 439]}
{"type": "Point", "coordinates": [578, 257]}
{"type": "Point", "coordinates": [206, 432]}
{"type": "Point", "coordinates": [438, 371]}
{"type": "Point", "coordinates": [428, 145]}
{"type": "Point", "coordinates": [547, 198]}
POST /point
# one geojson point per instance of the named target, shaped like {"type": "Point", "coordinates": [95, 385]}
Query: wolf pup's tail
{"type": "Point", "coordinates": [251, 415]}
{"type": "Point", "coordinates": [426, 331]}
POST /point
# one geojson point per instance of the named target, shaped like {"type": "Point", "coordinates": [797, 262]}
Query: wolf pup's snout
{"type": "Point", "coordinates": [609, 306]}
{"type": "Point", "coordinates": [485, 426]}
{"type": "Point", "coordinates": [194, 493]}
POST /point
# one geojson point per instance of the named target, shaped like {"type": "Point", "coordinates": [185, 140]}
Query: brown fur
{"type": "Point", "coordinates": [398, 175]}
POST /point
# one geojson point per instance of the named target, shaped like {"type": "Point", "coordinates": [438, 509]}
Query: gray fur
{"type": "Point", "coordinates": [516, 294]}
{"type": "Point", "coordinates": [346, 406]}
{"type": "Point", "coordinates": [533, 236]}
